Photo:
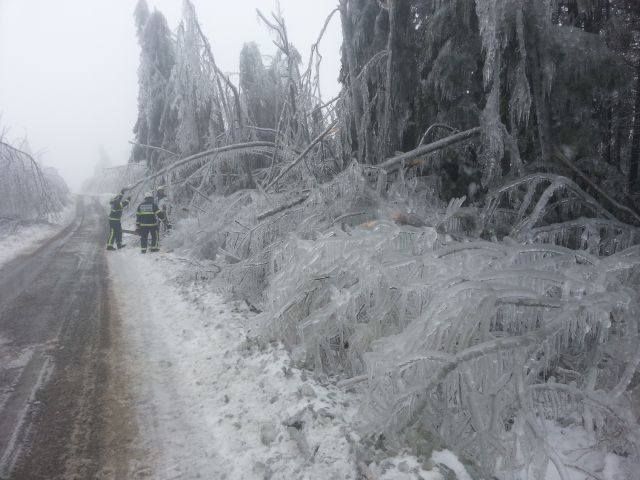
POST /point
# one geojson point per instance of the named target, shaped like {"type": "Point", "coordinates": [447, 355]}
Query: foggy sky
{"type": "Point", "coordinates": [68, 76]}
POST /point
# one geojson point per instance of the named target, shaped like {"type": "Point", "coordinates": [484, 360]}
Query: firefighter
{"type": "Point", "coordinates": [163, 202]}
{"type": "Point", "coordinates": [147, 217]}
{"type": "Point", "coordinates": [118, 203]}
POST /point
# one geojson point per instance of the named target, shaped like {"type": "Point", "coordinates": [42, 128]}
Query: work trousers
{"type": "Point", "coordinates": [115, 233]}
{"type": "Point", "coordinates": [144, 238]}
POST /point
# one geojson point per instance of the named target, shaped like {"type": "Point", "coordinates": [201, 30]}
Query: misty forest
{"type": "Point", "coordinates": [454, 238]}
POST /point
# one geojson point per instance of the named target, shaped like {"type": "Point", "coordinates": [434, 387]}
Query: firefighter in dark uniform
{"type": "Point", "coordinates": [147, 217]}
{"type": "Point", "coordinates": [163, 203]}
{"type": "Point", "coordinates": [118, 203]}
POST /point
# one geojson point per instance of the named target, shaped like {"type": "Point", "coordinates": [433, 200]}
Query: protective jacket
{"type": "Point", "coordinates": [117, 205]}
{"type": "Point", "coordinates": [148, 214]}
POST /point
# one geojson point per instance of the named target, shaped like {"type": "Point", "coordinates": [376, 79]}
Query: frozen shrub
{"type": "Point", "coordinates": [476, 345]}
{"type": "Point", "coordinates": [545, 208]}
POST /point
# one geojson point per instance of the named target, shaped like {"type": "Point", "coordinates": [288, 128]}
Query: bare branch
{"type": "Point", "coordinates": [397, 162]}
{"type": "Point", "coordinates": [285, 206]}
{"type": "Point", "coordinates": [303, 154]}
{"type": "Point", "coordinates": [563, 158]}
{"type": "Point", "coordinates": [226, 148]}
{"type": "Point", "coordinates": [155, 148]}
{"type": "Point", "coordinates": [433, 127]}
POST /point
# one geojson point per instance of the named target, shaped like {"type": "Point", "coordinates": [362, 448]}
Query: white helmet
{"type": "Point", "coordinates": [148, 195]}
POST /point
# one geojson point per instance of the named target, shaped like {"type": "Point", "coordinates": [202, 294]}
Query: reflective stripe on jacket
{"type": "Point", "coordinates": [117, 205]}
{"type": "Point", "coordinates": [148, 214]}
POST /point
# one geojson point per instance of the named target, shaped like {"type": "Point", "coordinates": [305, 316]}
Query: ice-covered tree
{"type": "Point", "coordinates": [259, 90]}
{"type": "Point", "coordinates": [156, 124]}
{"type": "Point", "coordinates": [292, 96]}
{"type": "Point", "coordinates": [502, 65]}
{"type": "Point", "coordinates": [30, 192]}
{"type": "Point", "coordinates": [207, 103]}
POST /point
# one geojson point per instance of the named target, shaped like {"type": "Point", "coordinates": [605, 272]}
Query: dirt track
{"type": "Point", "coordinates": [56, 389]}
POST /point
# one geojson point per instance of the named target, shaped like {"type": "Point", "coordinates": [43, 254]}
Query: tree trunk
{"type": "Point", "coordinates": [353, 87]}
{"type": "Point", "coordinates": [619, 138]}
{"type": "Point", "coordinates": [608, 136]}
{"type": "Point", "coordinates": [541, 102]}
{"type": "Point", "coordinates": [398, 76]}
{"type": "Point", "coordinates": [635, 138]}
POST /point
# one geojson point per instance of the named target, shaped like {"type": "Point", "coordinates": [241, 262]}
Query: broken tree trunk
{"type": "Point", "coordinates": [397, 162]}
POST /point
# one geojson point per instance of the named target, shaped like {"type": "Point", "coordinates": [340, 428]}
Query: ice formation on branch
{"type": "Point", "coordinates": [29, 191]}
{"type": "Point", "coordinates": [552, 209]}
{"type": "Point", "coordinates": [473, 344]}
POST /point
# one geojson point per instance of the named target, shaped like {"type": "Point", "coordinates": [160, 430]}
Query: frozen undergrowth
{"type": "Point", "coordinates": [470, 345]}
{"type": "Point", "coordinates": [546, 208]}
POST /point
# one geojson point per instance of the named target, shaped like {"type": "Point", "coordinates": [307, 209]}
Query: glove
{"type": "Point", "coordinates": [168, 225]}
{"type": "Point", "coordinates": [129, 198]}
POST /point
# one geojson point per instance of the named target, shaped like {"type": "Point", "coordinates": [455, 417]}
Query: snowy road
{"type": "Point", "coordinates": [205, 403]}
{"type": "Point", "coordinates": [53, 325]}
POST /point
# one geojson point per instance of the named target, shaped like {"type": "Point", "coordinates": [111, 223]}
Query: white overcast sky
{"type": "Point", "coordinates": [68, 78]}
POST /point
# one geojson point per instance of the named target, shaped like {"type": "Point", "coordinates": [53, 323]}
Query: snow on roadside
{"type": "Point", "coordinates": [210, 404]}
{"type": "Point", "coordinates": [18, 239]}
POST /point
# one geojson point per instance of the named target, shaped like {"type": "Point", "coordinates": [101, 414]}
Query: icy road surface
{"type": "Point", "coordinates": [54, 321]}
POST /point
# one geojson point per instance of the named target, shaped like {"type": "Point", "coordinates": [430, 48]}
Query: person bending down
{"type": "Point", "coordinates": [147, 217]}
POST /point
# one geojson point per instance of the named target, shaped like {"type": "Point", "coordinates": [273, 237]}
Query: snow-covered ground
{"type": "Point", "coordinates": [18, 239]}
{"type": "Point", "coordinates": [210, 404]}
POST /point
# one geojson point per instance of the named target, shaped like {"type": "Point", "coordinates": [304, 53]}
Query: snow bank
{"type": "Point", "coordinates": [19, 238]}
{"type": "Point", "coordinates": [210, 404]}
